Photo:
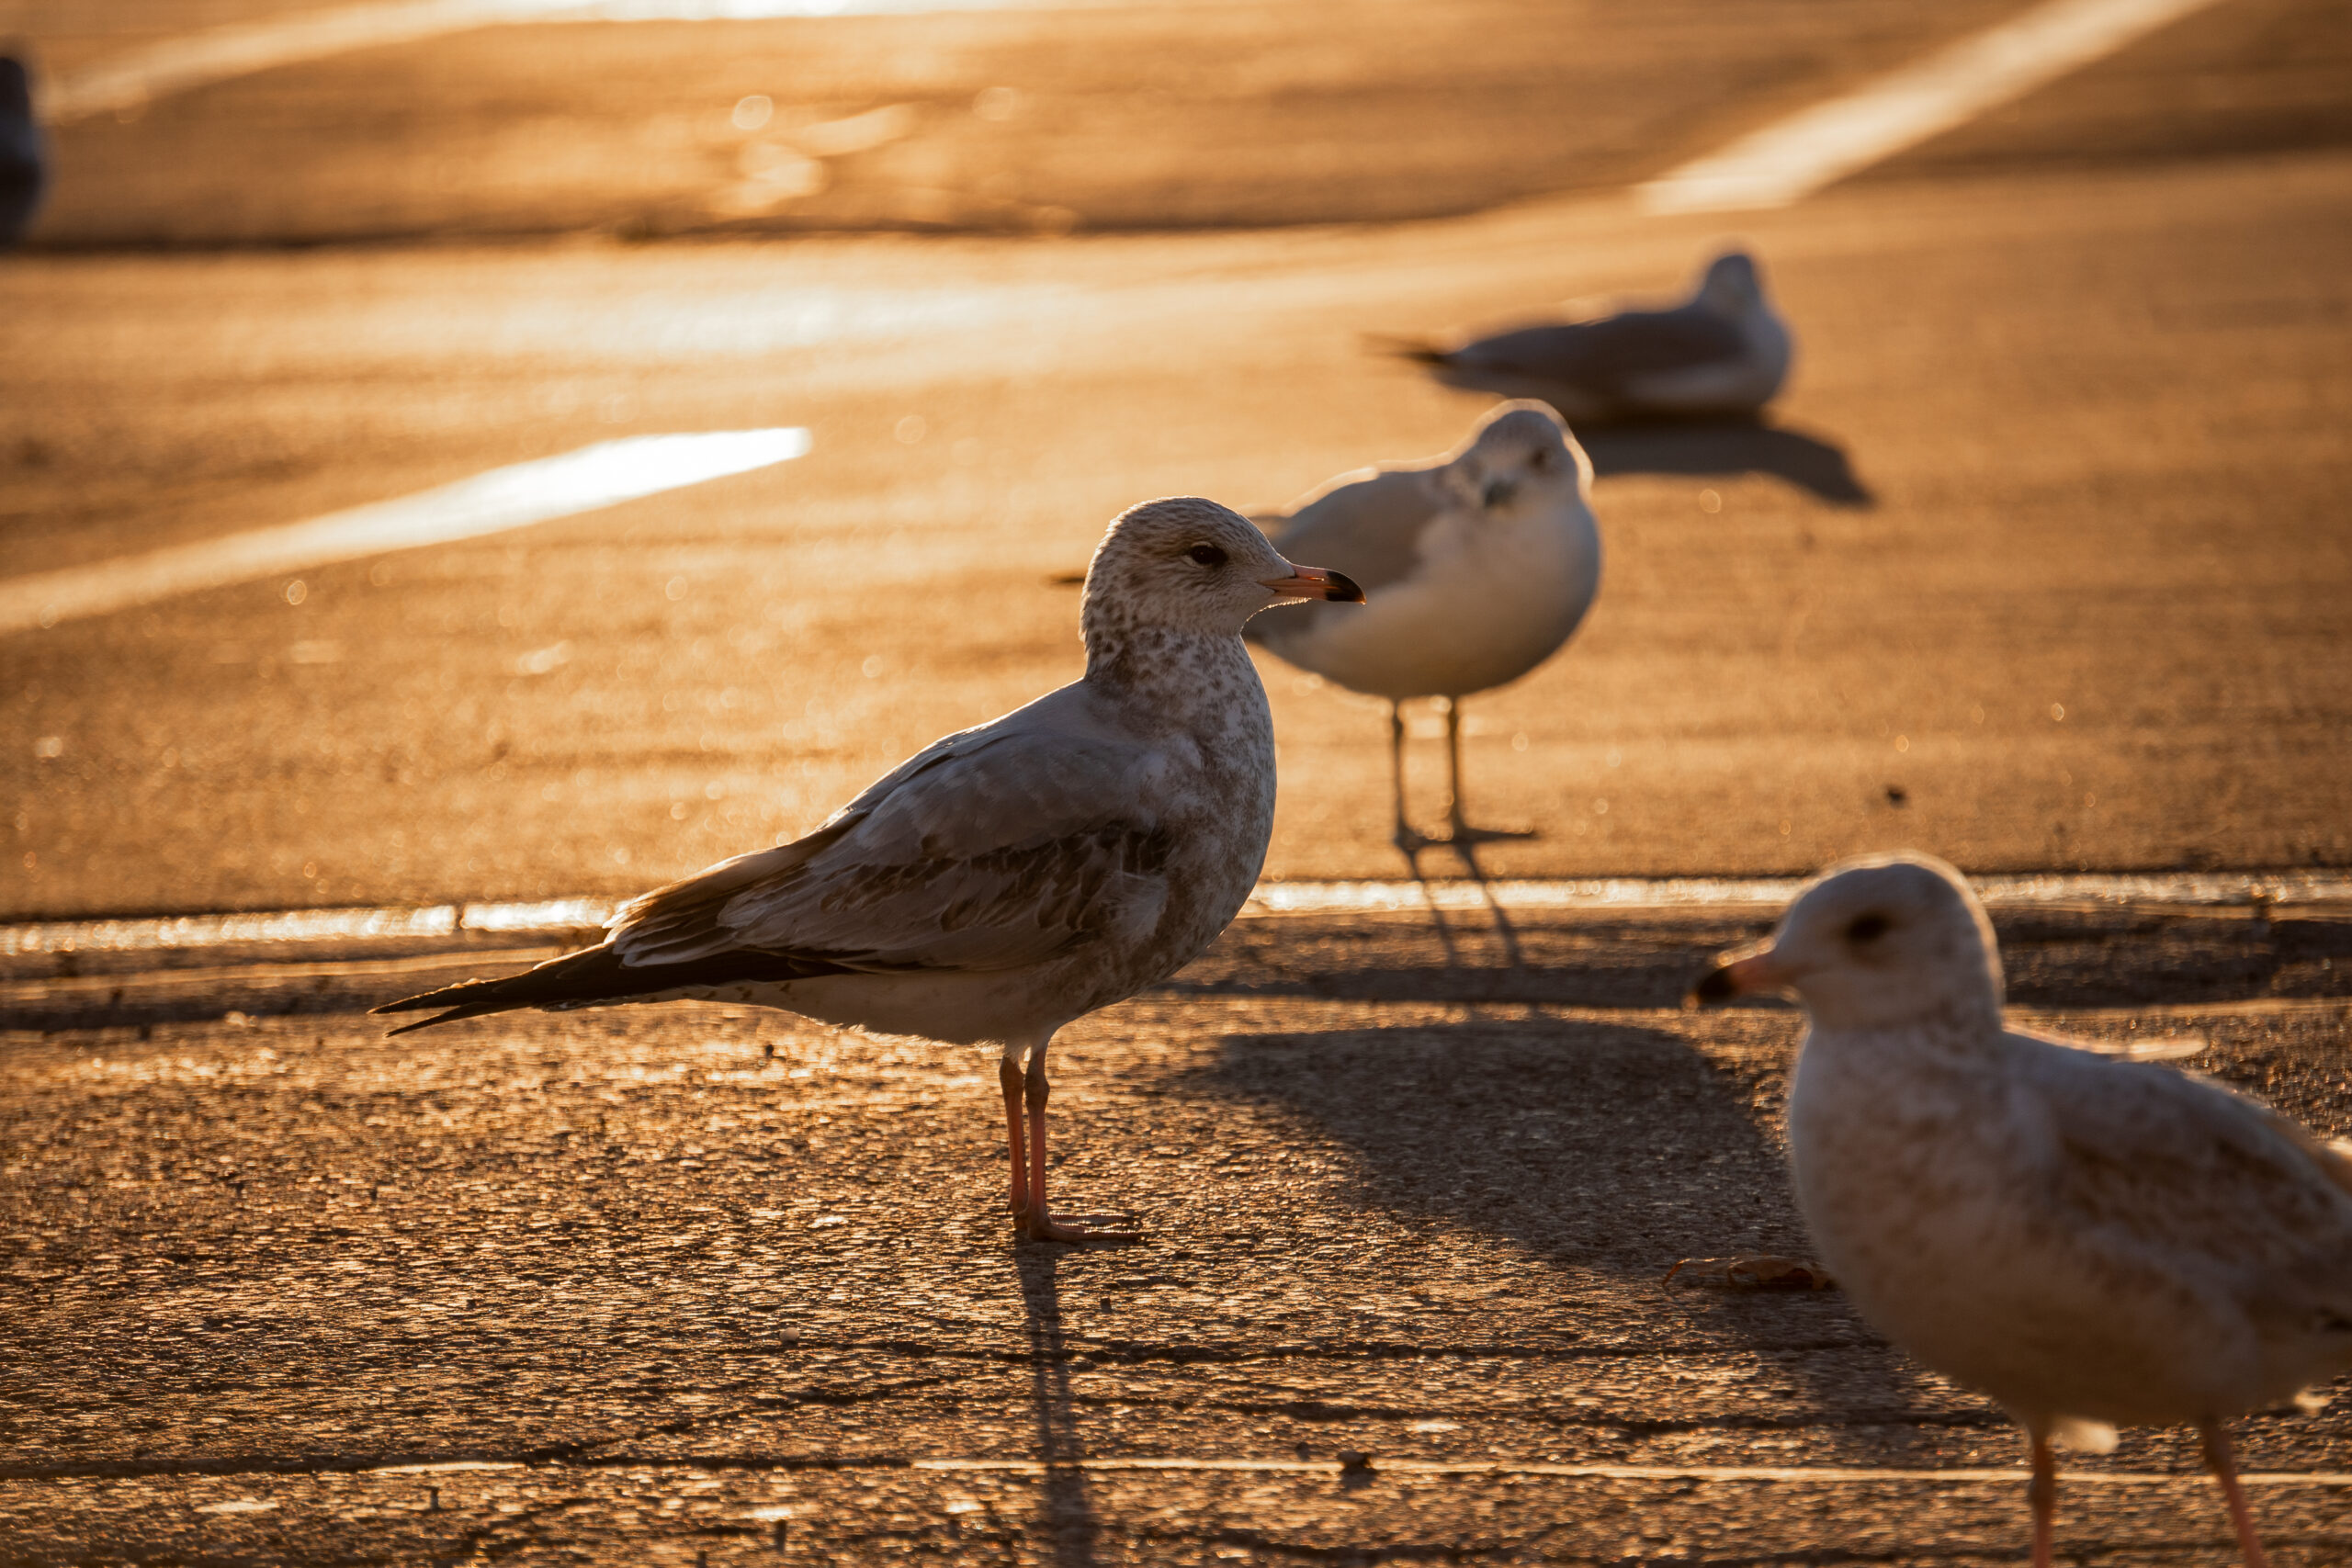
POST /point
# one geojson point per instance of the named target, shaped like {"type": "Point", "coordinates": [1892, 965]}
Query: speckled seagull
{"type": "Point", "coordinates": [1007, 879]}
{"type": "Point", "coordinates": [2088, 1240]}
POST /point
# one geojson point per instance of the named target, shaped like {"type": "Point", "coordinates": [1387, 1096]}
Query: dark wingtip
{"type": "Point", "coordinates": [1414, 349]}
{"type": "Point", "coordinates": [439, 998]}
{"type": "Point", "coordinates": [466, 1000]}
{"type": "Point", "coordinates": [1714, 989]}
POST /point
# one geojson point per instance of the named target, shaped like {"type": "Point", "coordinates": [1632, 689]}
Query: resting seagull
{"type": "Point", "coordinates": [2088, 1240]}
{"type": "Point", "coordinates": [1008, 879]}
{"type": "Point", "coordinates": [1721, 353]}
{"type": "Point", "coordinates": [1482, 563]}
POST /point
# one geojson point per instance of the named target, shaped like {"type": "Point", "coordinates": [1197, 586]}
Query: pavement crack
{"type": "Point", "coordinates": [827, 1396]}
{"type": "Point", "coordinates": [1310, 1409]}
{"type": "Point", "coordinates": [584, 1451]}
{"type": "Point", "coordinates": [848, 1396]}
{"type": "Point", "coordinates": [1135, 1352]}
{"type": "Point", "coordinates": [1349, 1551]}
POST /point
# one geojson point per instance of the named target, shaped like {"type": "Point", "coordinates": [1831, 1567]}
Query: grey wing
{"type": "Point", "coordinates": [1369, 528]}
{"type": "Point", "coordinates": [1608, 355]}
{"type": "Point", "coordinates": [987, 850]}
{"type": "Point", "coordinates": [2183, 1173]}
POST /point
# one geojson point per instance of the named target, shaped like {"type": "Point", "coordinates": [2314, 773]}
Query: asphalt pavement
{"type": "Point", "coordinates": [2041, 565]}
{"type": "Point", "coordinates": [641, 1287]}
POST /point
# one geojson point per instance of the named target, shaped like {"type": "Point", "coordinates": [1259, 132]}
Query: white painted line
{"type": "Point", "coordinates": [2188, 889]}
{"type": "Point", "coordinates": [240, 49]}
{"type": "Point", "coordinates": [177, 65]}
{"type": "Point", "coordinates": [264, 926]}
{"type": "Point", "coordinates": [1694, 892]}
{"type": "Point", "coordinates": [1622, 892]}
{"type": "Point", "coordinates": [1789, 161]}
{"type": "Point", "coordinates": [443, 1467]}
{"type": "Point", "coordinates": [593, 477]}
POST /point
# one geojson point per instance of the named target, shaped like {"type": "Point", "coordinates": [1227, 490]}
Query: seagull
{"type": "Point", "coordinates": [2087, 1239]}
{"type": "Point", "coordinates": [1721, 353]}
{"type": "Point", "coordinates": [1483, 563]}
{"type": "Point", "coordinates": [24, 163]}
{"type": "Point", "coordinates": [1009, 878]}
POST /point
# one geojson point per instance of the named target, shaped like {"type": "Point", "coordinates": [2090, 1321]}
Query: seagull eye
{"type": "Point", "coordinates": [1540, 459]}
{"type": "Point", "coordinates": [1866, 928]}
{"type": "Point", "coordinates": [1207, 555]}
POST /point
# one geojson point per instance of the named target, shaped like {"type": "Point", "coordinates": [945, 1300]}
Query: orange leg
{"type": "Point", "coordinates": [2041, 1493]}
{"type": "Point", "coordinates": [2219, 1460]}
{"type": "Point", "coordinates": [1042, 1226]}
{"type": "Point", "coordinates": [1008, 1074]}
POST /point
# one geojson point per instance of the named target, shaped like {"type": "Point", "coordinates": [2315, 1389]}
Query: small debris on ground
{"type": "Point", "coordinates": [1753, 1272]}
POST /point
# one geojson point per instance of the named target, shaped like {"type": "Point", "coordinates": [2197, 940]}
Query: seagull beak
{"type": "Point", "coordinates": [1314, 582]}
{"type": "Point", "coordinates": [1742, 972]}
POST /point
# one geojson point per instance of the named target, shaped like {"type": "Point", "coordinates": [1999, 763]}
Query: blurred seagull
{"type": "Point", "coordinates": [1721, 353]}
{"type": "Point", "coordinates": [23, 160]}
{"type": "Point", "coordinates": [2088, 1240]}
{"type": "Point", "coordinates": [1481, 563]}
{"type": "Point", "coordinates": [1008, 879]}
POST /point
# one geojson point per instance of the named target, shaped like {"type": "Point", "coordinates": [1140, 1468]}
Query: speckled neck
{"type": "Point", "coordinates": [1179, 678]}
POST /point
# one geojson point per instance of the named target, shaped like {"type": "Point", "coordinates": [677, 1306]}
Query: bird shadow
{"type": "Point", "coordinates": [1069, 1508]}
{"type": "Point", "coordinates": [1492, 914]}
{"type": "Point", "coordinates": [1726, 447]}
{"type": "Point", "coordinates": [1599, 1148]}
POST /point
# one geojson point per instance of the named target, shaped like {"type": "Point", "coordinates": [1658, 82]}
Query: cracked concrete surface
{"type": "Point", "coordinates": [646, 1285]}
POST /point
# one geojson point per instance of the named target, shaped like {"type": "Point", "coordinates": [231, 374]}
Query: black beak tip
{"type": "Point", "coordinates": [1344, 590]}
{"type": "Point", "coordinates": [1714, 988]}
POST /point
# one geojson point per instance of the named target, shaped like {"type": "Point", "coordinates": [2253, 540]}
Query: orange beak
{"type": "Point", "coordinates": [1314, 582]}
{"type": "Point", "coordinates": [1742, 972]}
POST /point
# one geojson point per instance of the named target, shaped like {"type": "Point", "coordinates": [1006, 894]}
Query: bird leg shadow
{"type": "Point", "coordinates": [1505, 932]}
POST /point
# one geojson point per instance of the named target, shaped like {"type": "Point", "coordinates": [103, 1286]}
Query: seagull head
{"type": "Point", "coordinates": [1520, 462]}
{"type": "Point", "coordinates": [1731, 285]}
{"type": "Point", "coordinates": [1884, 940]}
{"type": "Point", "coordinates": [1188, 565]}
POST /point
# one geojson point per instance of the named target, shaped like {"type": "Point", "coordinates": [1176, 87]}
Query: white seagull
{"type": "Point", "coordinates": [1482, 563]}
{"type": "Point", "coordinates": [2089, 1240]}
{"type": "Point", "coordinates": [1721, 353]}
{"type": "Point", "coordinates": [1008, 879]}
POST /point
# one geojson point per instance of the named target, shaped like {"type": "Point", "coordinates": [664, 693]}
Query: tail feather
{"type": "Point", "coordinates": [1419, 350]}
{"type": "Point", "coordinates": [597, 975]}
{"type": "Point", "coordinates": [575, 977]}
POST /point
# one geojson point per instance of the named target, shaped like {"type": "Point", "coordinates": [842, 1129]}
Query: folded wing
{"type": "Point", "coordinates": [2190, 1176]}
{"type": "Point", "coordinates": [998, 848]}
{"type": "Point", "coordinates": [991, 850]}
{"type": "Point", "coordinates": [1610, 356]}
{"type": "Point", "coordinates": [1367, 525]}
